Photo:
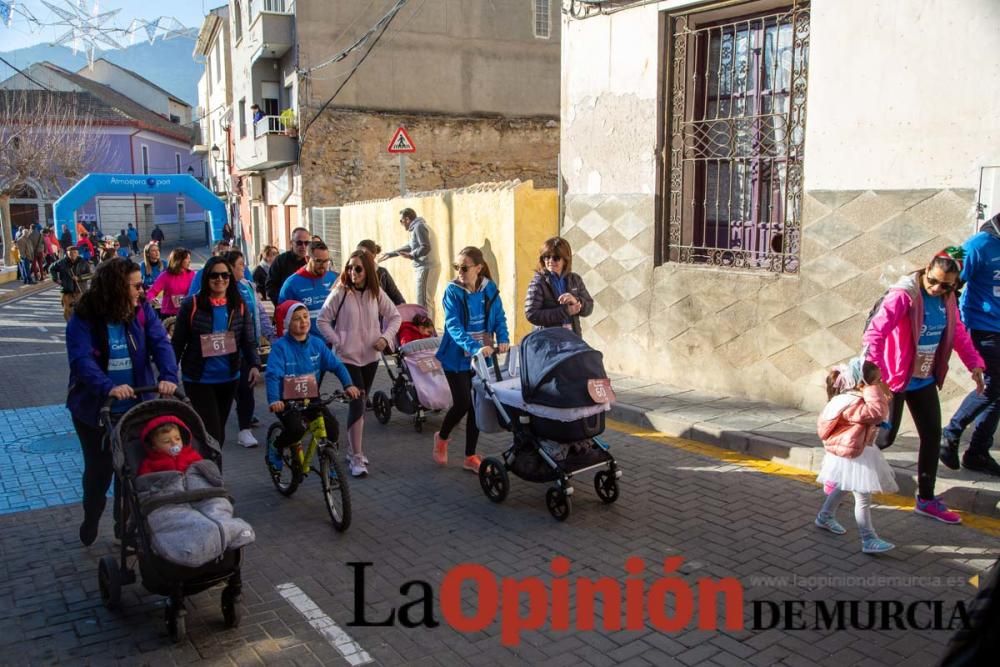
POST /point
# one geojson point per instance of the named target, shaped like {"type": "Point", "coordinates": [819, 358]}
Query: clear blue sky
{"type": "Point", "coordinates": [22, 33]}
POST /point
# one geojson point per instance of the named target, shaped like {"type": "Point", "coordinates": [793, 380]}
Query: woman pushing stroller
{"type": "Point", "coordinates": [473, 318]}
{"type": "Point", "coordinates": [112, 340]}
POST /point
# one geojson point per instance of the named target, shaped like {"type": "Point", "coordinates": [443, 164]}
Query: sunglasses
{"type": "Point", "coordinates": [462, 268]}
{"type": "Point", "coordinates": [357, 268]}
{"type": "Point", "coordinates": [934, 282]}
{"type": "Point", "coordinates": [223, 275]}
{"type": "Point", "coordinates": [554, 258]}
{"type": "Point", "coordinates": [301, 243]}
{"type": "Point", "coordinates": [321, 262]}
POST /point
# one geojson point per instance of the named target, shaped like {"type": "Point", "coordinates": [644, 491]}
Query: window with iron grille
{"type": "Point", "coordinates": [735, 112]}
{"type": "Point", "coordinates": [542, 18]}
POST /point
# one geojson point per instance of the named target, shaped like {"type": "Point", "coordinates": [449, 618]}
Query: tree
{"type": "Point", "coordinates": [52, 138]}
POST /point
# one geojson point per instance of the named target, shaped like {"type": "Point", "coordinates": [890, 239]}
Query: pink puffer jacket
{"type": "Point", "coordinates": [891, 337]}
{"type": "Point", "coordinates": [850, 421]}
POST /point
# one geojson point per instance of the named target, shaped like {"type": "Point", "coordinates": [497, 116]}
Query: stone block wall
{"type": "Point", "coordinates": [344, 156]}
{"type": "Point", "coordinates": [763, 336]}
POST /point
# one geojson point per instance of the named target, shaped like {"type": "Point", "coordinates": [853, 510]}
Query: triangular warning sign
{"type": "Point", "coordinates": [401, 142]}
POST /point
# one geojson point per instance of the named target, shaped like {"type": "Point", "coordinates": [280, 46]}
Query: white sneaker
{"type": "Point", "coordinates": [246, 438]}
{"type": "Point", "coordinates": [364, 459]}
{"type": "Point", "coordinates": [358, 468]}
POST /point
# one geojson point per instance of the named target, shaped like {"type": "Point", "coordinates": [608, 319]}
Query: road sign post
{"type": "Point", "coordinates": [401, 144]}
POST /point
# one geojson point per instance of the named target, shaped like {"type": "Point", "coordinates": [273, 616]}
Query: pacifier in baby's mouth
{"type": "Point", "coordinates": [175, 449]}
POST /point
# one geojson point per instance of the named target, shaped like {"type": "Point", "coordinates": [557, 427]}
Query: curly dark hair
{"type": "Point", "coordinates": [109, 298]}
{"type": "Point", "coordinates": [233, 298]}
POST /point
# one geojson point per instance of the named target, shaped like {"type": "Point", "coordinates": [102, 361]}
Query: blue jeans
{"type": "Point", "coordinates": [983, 409]}
{"type": "Point", "coordinates": [26, 272]}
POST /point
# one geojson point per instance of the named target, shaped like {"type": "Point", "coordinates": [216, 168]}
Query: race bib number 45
{"type": "Point", "coordinates": [297, 387]}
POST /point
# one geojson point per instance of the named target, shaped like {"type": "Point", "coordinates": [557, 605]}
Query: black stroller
{"type": "Point", "coordinates": [159, 576]}
{"type": "Point", "coordinates": [552, 395]}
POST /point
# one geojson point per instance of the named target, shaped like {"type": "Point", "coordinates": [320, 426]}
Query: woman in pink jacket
{"type": "Point", "coordinates": [358, 320]}
{"type": "Point", "coordinates": [847, 426]}
{"type": "Point", "coordinates": [173, 283]}
{"type": "Point", "coordinates": [910, 339]}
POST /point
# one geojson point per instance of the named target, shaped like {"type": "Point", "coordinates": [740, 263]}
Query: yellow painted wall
{"type": "Point", "coordinates": [507, 221]}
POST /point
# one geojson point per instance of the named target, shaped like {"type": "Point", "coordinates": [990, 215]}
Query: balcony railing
{"type": "Point", "coordinates": [268, 125]}
{"type": "Point", "coordinates": [277, 6]}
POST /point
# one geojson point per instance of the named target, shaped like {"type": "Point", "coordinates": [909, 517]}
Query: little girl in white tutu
{"type": "Point", "coordinates": [847, 426]}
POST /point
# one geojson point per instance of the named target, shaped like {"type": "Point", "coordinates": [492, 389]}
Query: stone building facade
{"type": "Point", "coordinates": [351, 164]}
{"type": "Point", "coordinates": [876, 175]}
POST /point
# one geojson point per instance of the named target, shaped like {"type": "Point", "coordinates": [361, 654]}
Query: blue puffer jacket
{"type": "Point", "coordinates": [466, 313]}
{"type": "Point", "coordinates": [291, 357]}
{"type": "Point", "coordinates": [87, 348]}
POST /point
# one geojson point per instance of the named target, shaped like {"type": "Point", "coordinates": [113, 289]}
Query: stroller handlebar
{"type": "Point", "coordinates": [106, 408]}
{"type": "Point", "coordinates": [482, 369]}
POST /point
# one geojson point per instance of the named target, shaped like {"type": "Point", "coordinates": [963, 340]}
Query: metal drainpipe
{"type": "Point", "coordinates": [131, 158]}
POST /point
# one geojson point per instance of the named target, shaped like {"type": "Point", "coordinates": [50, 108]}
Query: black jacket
{"type": "Point", "coordinates": [283, 266]}
{"type": "Point", "coordinates": [542, 307]}
{"type": "Point", "coordinates": [260, 279]}
{"type": "Point", "coordinates": [68, 275]}
{"type": "Point", "coordinates": [388, 286]}
{"type": "Point", "coordinates": [192, 322]}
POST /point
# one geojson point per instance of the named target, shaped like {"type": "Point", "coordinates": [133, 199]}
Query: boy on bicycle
{"type": "Point", "coordinates": [293, 372]}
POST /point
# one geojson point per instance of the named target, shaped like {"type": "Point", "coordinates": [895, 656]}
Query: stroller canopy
{"type": "Point", "coordinates": [556, 366]}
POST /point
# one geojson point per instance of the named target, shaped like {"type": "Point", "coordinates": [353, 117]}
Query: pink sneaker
{"type": "Point", "coordinates": [829, 487]}
{"type": "Point", "coordinates": [472, 463]}
{"type": "Point", "coordinates": [936, 509]}
{"type": "Point", "coordinates": [440, 450]}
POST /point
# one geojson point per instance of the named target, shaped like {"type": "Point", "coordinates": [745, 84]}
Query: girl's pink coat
{"type": "Point", "coordinates": [849, 422]}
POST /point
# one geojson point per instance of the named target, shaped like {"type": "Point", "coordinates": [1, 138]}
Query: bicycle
{"type": "Point", "coordinates": [297, 461]}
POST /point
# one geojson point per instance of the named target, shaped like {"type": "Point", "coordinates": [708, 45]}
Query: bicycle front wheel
{"type": "Point", "coordinates": [283, 467]}
{"type": "Point", "coordinates": [336, 492]}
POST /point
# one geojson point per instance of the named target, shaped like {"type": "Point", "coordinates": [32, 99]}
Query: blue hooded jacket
{"type": "Point", "coordinates": [291, 357]}
{"type": "Point", "coordinates": [87, 348]}
{"type": "Point", "coordinates": [466, 313]}
{"type": "Point", "coordinates": [980, 302]}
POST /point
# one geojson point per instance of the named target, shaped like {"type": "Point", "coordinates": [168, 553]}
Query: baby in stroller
{"type": "Point", "coordinates": [192, 532]}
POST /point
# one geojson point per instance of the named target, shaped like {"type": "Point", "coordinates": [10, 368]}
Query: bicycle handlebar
{"type": "Point", "coordinates": [323, 399]}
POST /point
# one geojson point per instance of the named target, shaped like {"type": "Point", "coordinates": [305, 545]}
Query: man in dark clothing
{"type": "Point", "coordinates": [980, 304]}
{"type": "Point", "coordinates": [124, 242]}
{"type": "Point", "coordinates": [288, 263]}
{"type": "Point", "coordinates": [69, 273]}
{"type": "Point", "coordinates": [157, 234]}
{"type": "Point", "coordinates": [66, 240]}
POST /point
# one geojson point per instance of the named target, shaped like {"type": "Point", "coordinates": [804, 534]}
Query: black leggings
{"type": "Point", "coordinates": [925, 410]}
{"type": "Point", "coordinates": [362, 377]}
{"type": "Point", "coordinates": [212, 402]}
{"type": "Point", "coordinates": [97, 471]}
{"type": "Point", "coordinates": [293, 423]}
{"type": "Point", "coordinates": [460, 384]}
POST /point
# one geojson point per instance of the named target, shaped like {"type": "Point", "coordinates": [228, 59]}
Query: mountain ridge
{"type": "Point", "coordinates": [167, 63]}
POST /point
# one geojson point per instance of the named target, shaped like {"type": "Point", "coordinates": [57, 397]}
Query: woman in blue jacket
{"type": "Point", "coordinates": [473, 319]}
{"type": "Point", "coordinates": [112, 340]}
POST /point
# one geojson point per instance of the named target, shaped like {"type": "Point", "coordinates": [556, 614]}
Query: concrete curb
{"type": "Point", "coordinates": [984, 502]}
{"type": "Point", "coordinates": [7, 296]}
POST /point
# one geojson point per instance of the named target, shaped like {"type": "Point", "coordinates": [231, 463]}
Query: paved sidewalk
{"type": "Point", "coordinates": [776, 432]}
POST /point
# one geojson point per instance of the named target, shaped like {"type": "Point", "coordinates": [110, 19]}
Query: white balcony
{"type": "Point", "coordinates": [273, 29]}
{"type": "Point", "coordinates": [272, 146]}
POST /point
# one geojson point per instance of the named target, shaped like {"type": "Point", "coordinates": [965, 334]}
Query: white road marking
{"type": "Point", "coordinates": [31, 354]}
{"type": "Point", "coordinates": [324, 625]}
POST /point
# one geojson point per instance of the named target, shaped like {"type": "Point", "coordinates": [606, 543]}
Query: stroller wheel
{"type": "Point", "coordinates": [494, 480]}
{"type": "Point", "coordinates": [176, 619]}
{"type": "Point", "coordinates": [558, 503]}
{"type": "Point", "coordinates": [606, 486]}
{"type": "Point", "coordinates": [336, 493]}
{"type": "Point", "coordinates": [232, 611]}
{"type": "Point", "coordinates": [109, 579]}
{"type": "Point", "coordinates": [382, 407]}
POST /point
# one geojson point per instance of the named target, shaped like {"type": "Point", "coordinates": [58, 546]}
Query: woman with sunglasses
{"type": "Point", "coordinates": [173, 283]}
{"type": "Point", "coordinates": [214, 332]}
{"type": "Point", "coordinates": [113, 339]}
{"type": "Point", "coordinates": [556, 296]}
{"type": "Point", "coordinates": [910, 338]}
{"type": "Point", "coordinates": [358, 320]}
{"type": "Point", "coordinates": [473, 320]}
